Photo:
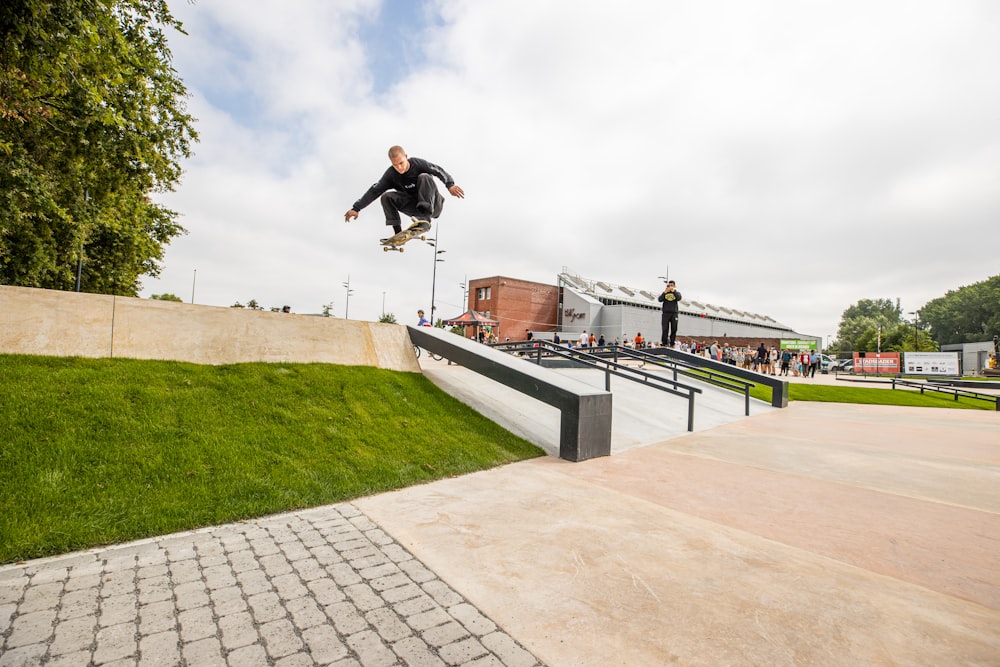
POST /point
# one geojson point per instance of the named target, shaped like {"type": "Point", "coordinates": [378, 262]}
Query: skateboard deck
{"type": "Point", "coordinates": [415, 231]}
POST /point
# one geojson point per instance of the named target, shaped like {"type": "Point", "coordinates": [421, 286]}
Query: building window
{"type": "Point", "coordinates": [483, 293]}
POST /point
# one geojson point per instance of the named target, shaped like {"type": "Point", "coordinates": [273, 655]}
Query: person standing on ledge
{"type": "Point", "coordinates": [408, 187]}
{"type": "Point", "coordinates": [670, 300]}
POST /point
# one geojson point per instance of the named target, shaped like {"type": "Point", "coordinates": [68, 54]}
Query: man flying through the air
{"type": "Point", "coordinates": [408, 187]}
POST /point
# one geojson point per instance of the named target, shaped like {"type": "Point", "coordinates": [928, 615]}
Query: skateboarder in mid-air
{"type": "Point", "coordinates": [408, 187]}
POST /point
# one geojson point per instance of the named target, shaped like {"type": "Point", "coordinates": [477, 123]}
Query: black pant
{"type": "Point", "coordinates": [426, 204]}
{"type": "Point", "coordinates": [669, 322]}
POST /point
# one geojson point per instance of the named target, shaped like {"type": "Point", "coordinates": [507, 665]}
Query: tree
{"type": "Point", "coordinates": [167, 297]}
{"type": "Point", "coordinates": [92, 122]}
{"type": "Point", "coordinates": [388, 318]}
{"type": "Point", "coordinates": [966, 315]}
{"type": "Point", "coordinates": [860, 323]}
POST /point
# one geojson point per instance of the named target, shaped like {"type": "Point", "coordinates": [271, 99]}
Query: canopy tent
{"type": "Point", "coordinates": [471, 318]}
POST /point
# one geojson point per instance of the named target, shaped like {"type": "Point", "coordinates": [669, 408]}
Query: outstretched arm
{"type": "Point", "coordinates": [457, 192]}
{"type": "Point", "coordinates": [350, 215]}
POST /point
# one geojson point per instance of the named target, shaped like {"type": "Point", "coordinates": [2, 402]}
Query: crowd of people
{"type": "Point", "coordinates": [768, 360]}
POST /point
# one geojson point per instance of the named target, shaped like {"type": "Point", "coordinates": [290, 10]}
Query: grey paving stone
{"type": "Point", "coordinates": [345, 618]}
{"type": "Point", "coordinates": [150, 571]}
{"type": "Point", "coordinates": [157, 617]}
{"type": "Point", "coordinates": [289, 586]}
{"type": "Point", "coordinates": [160, 650]}
{"type": "Point", "coordinates": [22, 656]}
{"type": "Point", "coordinates": [487, 660]}
{"type": "Point", "coordinates": [428, 619]}
{"type": "Point", "coordinates": [309, 569]}
{"type": "Point", "coordinates": [6, 614]}
{"type": "Point", "coordinates": [118, 609]}
{"type": "Point", "coordinates": [416, 571]}
{"type": "Point", "coordinates": [396, 553]}
{"type": "Point", "coordinates": [343, 574]}
{"type": "Point", "coordinates": [388, 624]}
{"type": "Point", "coordinates": [442, 593]}
{"type": "Point", "coordinates": [121, 582]}
{"type": "Point", "coordinates": [295, 660]}
{"type": "Point", "coordinates": [191, 595]}
{"type": "Point", "coordinates": [31, 628]}
{"type": "Point", "coordinates": [462, 651]}
{"type": "Point", "coordinates": [470, 617]}
{"type": "Point", "coordinates": [325, 591]}
{"type": "Point", "coordinates": [295, 550]}
{"type": "Point", "coordinates": [115, 642]}
{"type": "Point", "coordinates": [43, 596]}
{"type": "Point", "coordinates": [228, 600]}
{"type": "Point", "coordinates": [415, 653]}
{"type": "Point", "coordinates": [155, 589]}
{"type": "Point", "coordinates": [371, 650]}
{"type": "Point", "coordinates": [248, 656]}
{"type": "Point", "coordinates": [196, 624]}
{"type": "Point", "coordinates": [266, 607]}
{"type": "Point", "coordinates": [203, 653]}
{"type": "Point", "coordinates": [324, 644]}
{"type": "Point", "coordinates": [264, 546]}
{"type": "Point", "coordinates": [50, 575]}
{"type": "Point", "coordinates": [72, 635]}
{"type": "Point", "coordinates": [237, 630]}
{"type": "Point", "coordinates": [218, 576]}
{"type": "Point", "coordinates": [444, 634]}
{"type": "Point", "coordinates": [78, 582]}
{"type": "Point", "coordinates": [75, 659]}
{"type": "Point", "coordinates": [184, 571]}
{"type": "Point", "coordinates": [363, 597]}
{"type": "Point", "coordinates": [505, 648]}
{"type": "Point", "coordinates": [280, 638]}
{"type": "Point", "coordinates": [83, 602]}
{"type": "Point", "coordinates": [275, 564]}
{"type": "Point", "coordinates": [405, 592]}
{"type": "Point", "coordinates": [306, 613]}
{"type": "Point", "coordinates": [252, 582]}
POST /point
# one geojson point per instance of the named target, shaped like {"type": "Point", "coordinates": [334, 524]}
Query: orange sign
{"type": "Point", "coordinates": [876, 362]}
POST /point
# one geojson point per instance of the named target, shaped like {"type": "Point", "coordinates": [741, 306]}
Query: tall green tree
{"type": "Point", "coordinates": [967, 315]}
{"type": "Point", "coordinates": [861, 322]}
{"type": "Point", "coordinates": [92, 122]}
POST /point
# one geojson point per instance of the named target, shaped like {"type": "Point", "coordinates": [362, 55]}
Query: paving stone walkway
{"type": "Point", "coordinates": [324, 586]}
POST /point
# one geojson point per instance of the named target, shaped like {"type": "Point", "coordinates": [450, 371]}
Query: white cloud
{"type": "Point", "coordinates": [757, 149]}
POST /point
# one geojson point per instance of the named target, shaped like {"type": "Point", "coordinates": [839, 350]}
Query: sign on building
{"type": "Point", "coordinates": [798, 344]}
{"type": "Point", "coordinates": [876, 362]}
{"type": "Point", "coordinates": [931, 363]}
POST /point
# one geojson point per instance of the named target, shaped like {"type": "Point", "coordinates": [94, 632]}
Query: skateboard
{"type": "Point", "coordinates": [415, 231]}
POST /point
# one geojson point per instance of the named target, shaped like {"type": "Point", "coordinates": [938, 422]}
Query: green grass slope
{"type": "Point", "coordinates": [99, 451]}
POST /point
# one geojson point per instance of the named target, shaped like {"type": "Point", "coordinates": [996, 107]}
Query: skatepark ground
{"type": "Point", "coordinates": [818, 534]}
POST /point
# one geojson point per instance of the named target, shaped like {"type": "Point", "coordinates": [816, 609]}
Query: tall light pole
{"type": "Point", "coordinates": [383, 304]}
{"type": "Point", "coordinates": [465, 292]}
{"type": "Point", "coordinates": [347, 301]}
{"type": "Point", "coordinates": [665, 278]}
{"type": "Point", "coordinates": [194, 281]}
{"type": "Point", "coordinates": [434, 244]}
{"type": "Point", "coordinates": [916, 315]}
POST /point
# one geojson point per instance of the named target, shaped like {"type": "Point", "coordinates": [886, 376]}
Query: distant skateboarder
{"type": "Point", "coordinates": [408, 187]}
{"type": "Point", "coordinates": [671, 306]}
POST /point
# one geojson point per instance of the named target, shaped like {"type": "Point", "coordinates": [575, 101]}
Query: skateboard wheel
{"type": "Point", "coordinates": [423, 238]}
{"type": "Point", "coordinates": [385, 248]}
{"type": "Point", "coordinates": [399, 249]}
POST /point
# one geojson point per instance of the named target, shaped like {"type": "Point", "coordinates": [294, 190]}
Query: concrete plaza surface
{"type": "Point", "coordinates": [820, 534]}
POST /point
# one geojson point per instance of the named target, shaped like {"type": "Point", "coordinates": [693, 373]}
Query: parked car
{"type": "Point", "coordinates": [826, 363]}
{"type": "Point", "coordinates": [842, 366]}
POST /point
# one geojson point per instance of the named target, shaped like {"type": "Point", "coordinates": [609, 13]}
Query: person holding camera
{"type": "Point", "coordinates": [670, 300]}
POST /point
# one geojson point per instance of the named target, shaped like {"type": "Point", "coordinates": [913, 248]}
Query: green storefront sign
{"type": "Point", "coordinates": [798, 344]}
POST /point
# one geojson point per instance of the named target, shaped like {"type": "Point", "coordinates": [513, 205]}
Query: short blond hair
{"type": "Point", "coordinates": [396, 150]}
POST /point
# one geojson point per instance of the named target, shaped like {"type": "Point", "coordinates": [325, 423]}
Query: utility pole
{"type": "Point", "coordinates": [347, 301]}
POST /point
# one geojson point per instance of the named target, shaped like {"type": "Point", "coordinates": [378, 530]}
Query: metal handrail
{"type": "Point", "coordinates": [944, 389]}
{"type": "Point", "coordinates": [610, 368]}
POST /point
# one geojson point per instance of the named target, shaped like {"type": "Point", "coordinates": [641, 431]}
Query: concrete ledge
{"type": "Point", "coordinates": [585, 423]}
{"type": "Point", "coordinates": [50, 322]}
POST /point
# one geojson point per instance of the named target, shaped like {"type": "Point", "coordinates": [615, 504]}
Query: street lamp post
{"type": "Point", "coordinates": [916, 316]}
{"type": "Point", "coordinates": [347, 301]}
{"type": "Point", "coordinates": [434, 244]}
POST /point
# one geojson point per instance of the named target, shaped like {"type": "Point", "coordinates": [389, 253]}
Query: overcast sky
{"type": "Point", "coordinates": [784, 157]}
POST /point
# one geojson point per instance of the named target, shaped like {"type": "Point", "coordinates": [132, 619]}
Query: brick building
{"type": "Point", "coordinates": [517, 304]}
{"type": "Point", "coordinates": [618, 312]}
